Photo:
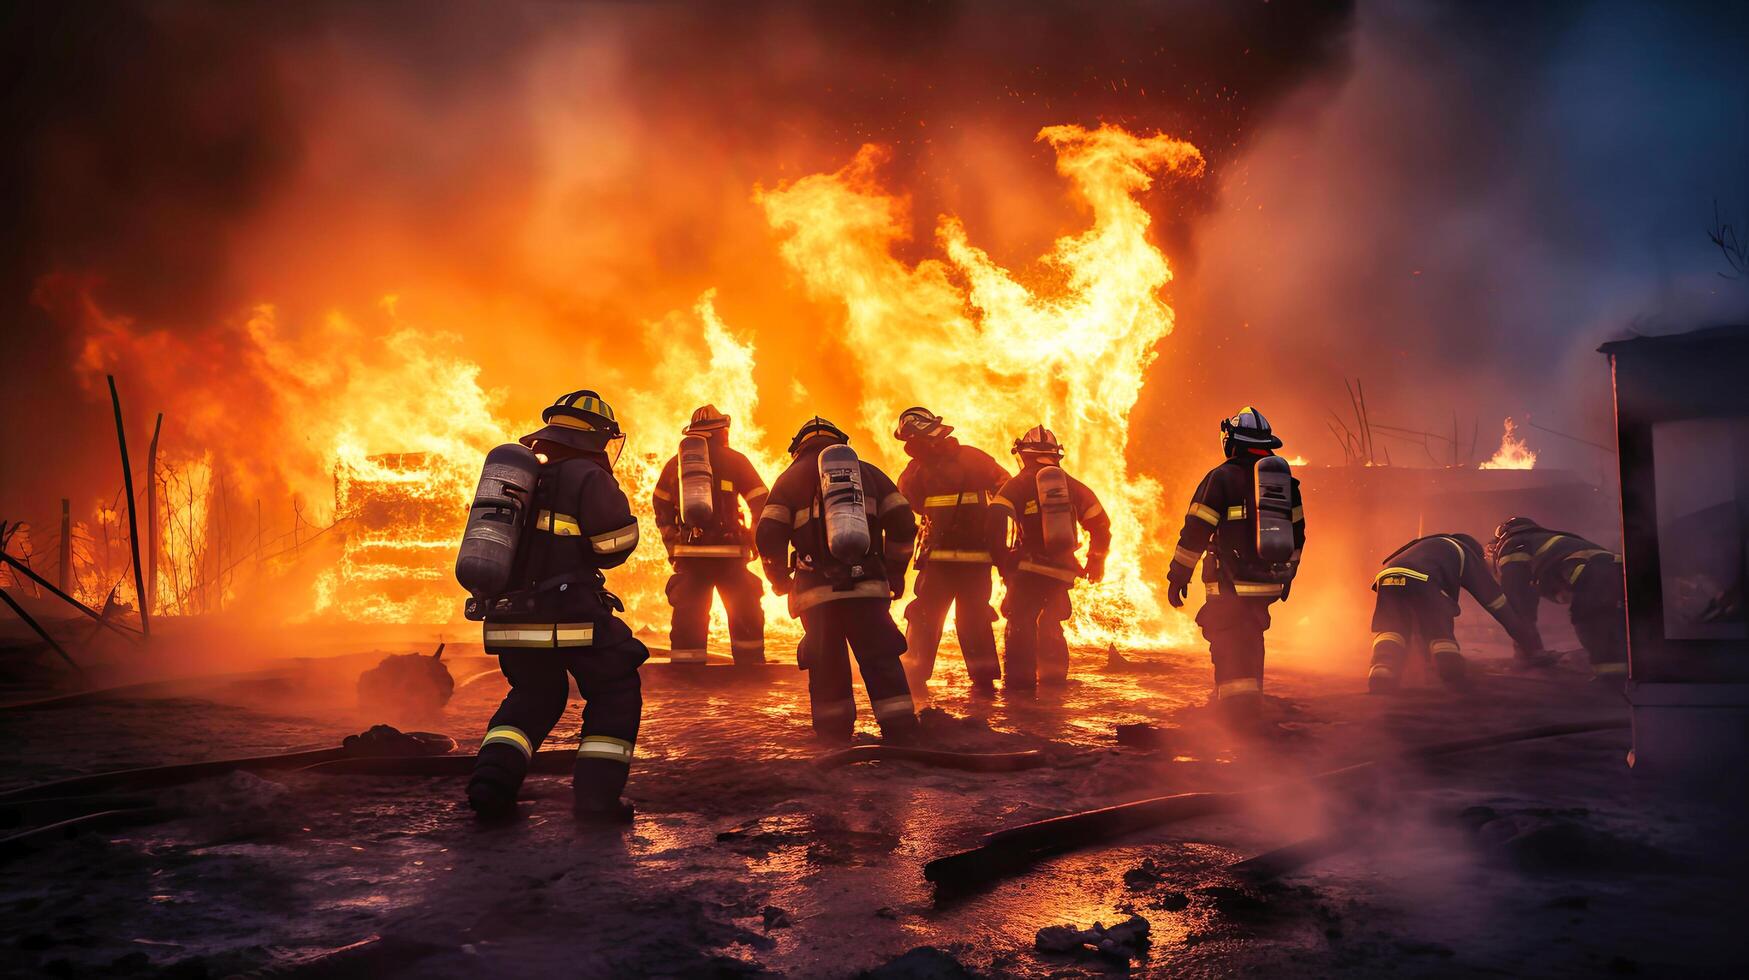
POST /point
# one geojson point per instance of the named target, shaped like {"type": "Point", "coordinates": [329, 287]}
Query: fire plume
{"type": "Point", "coordinates": [967, 338]}
{"type": "Point", "coordinates": [1513, 454]}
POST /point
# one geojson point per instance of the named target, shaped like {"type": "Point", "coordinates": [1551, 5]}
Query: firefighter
{"type": "Point", "coordinates": [558, 619]}
{"type": "Point", "coordinates": [712, 554]}
{"type": "Point", "coordinates": [1221, 531]}
{"type": "Point", "coordinates": [851, 533]}
{"type": "Point", "coordinates": [1533, 562]}
{"type": "Point", "coordinates": [1418, 600]}
{"type": "Point", "coordinates": [1048, 508]}
{"type": "Point", "coordinates": [954, 484]}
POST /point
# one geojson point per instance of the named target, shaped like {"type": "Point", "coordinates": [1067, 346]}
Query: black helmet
{"type": "Point", "coordinates": [919, 422]}
{"type": "Point", "coordinates": [816, 426]}
{"type": "Point", "coordinates": [582, 421]}
{"type": "Point", "coordinates": [1513, 525]}
{"type": "Point", "coordinates": [706, 419]}
{"type": "Point", "coordinates": [1039, 441]}
{"type": "Point", "coordinates": [1247, 430]}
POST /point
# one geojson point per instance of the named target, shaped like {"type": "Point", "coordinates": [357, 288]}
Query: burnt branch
{"type": "Point", "coordinates": [1723, 235]}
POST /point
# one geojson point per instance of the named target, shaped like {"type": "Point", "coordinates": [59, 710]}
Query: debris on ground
{"type": "Point", "coordinates": [922, 963]}
{"type": "Point", "coordinates": [406, 686]}
{"type": "Point", "coordinates": [1123, 942]}
{"type": "Point", "coordinates": [1145, 736]}
{"type": "Point", "coordinates": [1545, 840]}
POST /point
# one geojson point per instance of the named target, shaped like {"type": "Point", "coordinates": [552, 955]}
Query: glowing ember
{"type": "Point", "coordinates": [1513, 454]}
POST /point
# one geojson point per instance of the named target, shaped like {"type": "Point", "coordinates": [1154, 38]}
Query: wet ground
{"type": "Point", "coordinates": [1544, 858]}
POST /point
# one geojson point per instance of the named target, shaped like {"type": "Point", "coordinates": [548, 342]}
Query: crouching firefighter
{"type": "Point", "coordinates": [953, 484]}
{"type": "Point", "coordinates": [1048, 508]}
{"type": "Point", "coordinates": [1418, 600]}
{"type": "Point", "coordinates": [851, 533]}
{"type": "Point", "coordinates": [1533, 562]}
{"type": "Point", "coordinates": [1247, 527]}
{"type": "Point", "coordinates": [547, 518]}
{"type": "Point", "coordinates": [698, 508]}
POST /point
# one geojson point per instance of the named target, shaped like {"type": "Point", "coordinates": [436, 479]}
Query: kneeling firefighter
{"type": "Point", "coordinates": [1533, 562]}
{"type": "Point", "coordinates": [852, 533]}
{"type": "Point", "coordinates": [954, 484]}
{"type": "Point", "coordinates": [1048, 508]}
{"type": "Point", "coordinates": [547, 518]}
{"type": "Point", "coordinates": [698, 508]}
{"type": "Point", "coordinates": [1418, 600]}
{"type": "Point", "coordinates": [1247, 527]}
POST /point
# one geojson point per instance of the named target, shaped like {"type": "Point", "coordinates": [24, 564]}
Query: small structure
{"type": "Point", "coordinates": [1682, 424]}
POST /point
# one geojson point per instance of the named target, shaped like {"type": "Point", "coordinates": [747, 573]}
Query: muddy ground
{"type": "Point", "coordinates": [1541, 859]}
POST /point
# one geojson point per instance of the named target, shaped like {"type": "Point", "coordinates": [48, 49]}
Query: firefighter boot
{"type": "Point", "coordinates": [595, 787]}
{"type": "Point", "coordinates": [498, 772]}
{"type": "Point", "coordinates": [1449, 664]}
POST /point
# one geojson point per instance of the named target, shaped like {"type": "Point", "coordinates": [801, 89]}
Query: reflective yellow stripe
{"type": "Point", "coordinates": [755, 495]}
{"type": "Point", "coordinates": [530, 635]}
{"type": "Point", "coordinates": [1442, 646]}
{"type": "Point", "coordinates": [1498, 604]}
{"type": "Point", "coordinates": [1588, 554]}
{"type": "Point", "coordinates": [894, 706]}
{"type": "Point", "coordinates": [563, 525]}
{"type": "Point", "coordinates": [1299, 514]}
{"type": "Point", "coordinates": [747, 646]}
{"type": "Point", "coordinates": [1243, 685]}
{"type": "Point", "coordinates": [1550, 543]}
{"type": "Point", "coordinates": [1203, 512]}
{"type": "Point", "coordinates": [1092, 512]}
{"type": "Point", "coordinates": [1388, 636]}
{"type": "Point", "coordinates": [1615, 668]}
{"type": "Point", "coordinates": [942, 500]}
{"type": "Point", "coordinates": [1186, 557]}
{"type": "Point", "coordinates": [726, 485]}
{"type": "Point", "coordinates": [620, 540]}
{"type": "Point", "coordinates": [1049, 571]}
{"type": "Point", "coordinates": [1031, 507]}
{"type": "Point", "coordinates": [509, 735]}
{"type": "Point", "coordinates": [1398, 570]}
{"type": "Point", "coordinates": [708, 551]}
{"type": "Point", "coordinates": [1515, 556]}
{"type": "Point", "coordinates": [775, 512]}
{"type": "Point", "coordinates": [1236, 512]}
{"type": "Point", "coordinates": [1211, 588]}
{"type": "Point", "coordinates": [687, 656]}
{"type": "Point", "coordinates": [605, 747]}
{"type": "Point", "coordinates": [574, 634]}
{"type": "Point", "coordinates": [1001, 501]}
{"type": "Point", "coordinates": [1257, 588]}
{"type": "Point", "coordinates": [661, 494]}
{"type": "Point", "coordinates": [966, 556]}
{"type": "Point", "coordinates": [971, 497]}
{"type": "Point", "coordinates": [834, 709]}
{"type": "Point", "coordinates": [874, 588]}
{"type": "Point", "coordinates": [894, 501]}
{"type": "Point", "coordinates": [1463, 556]}
{"type": "Point", "coordinates": [1381, 670]}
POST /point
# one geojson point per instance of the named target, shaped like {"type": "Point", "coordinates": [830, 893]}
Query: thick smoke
{"type": "Point", "coordinates": [540, 179]}
{"type": "Point", "coordinates": [1488, 193]}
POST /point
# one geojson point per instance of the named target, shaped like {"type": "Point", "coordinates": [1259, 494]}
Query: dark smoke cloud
{"type": "Point", "coordinates": [1490, 192]}
{"type": "Point", "coordinates": [178, 162]}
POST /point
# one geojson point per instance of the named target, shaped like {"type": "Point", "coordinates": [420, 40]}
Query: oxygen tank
{"type": "Point", "coordinates": [697, 496]}
{"type": "Point", "coordinates": [1274, 508]}
{"type": "Point", "coordinates": [1056, 515]}
{"type": "Point", "coordinates": [495, 519]}
{"type": "Point", "coordinates": [843, 507]}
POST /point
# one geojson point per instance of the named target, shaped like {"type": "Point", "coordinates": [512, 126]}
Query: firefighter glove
{"type": "Point", "coordinates": [1176, 591]}
{"type": "Point", "coordinates": [1095, 570]}
{"type": "Point", "coordinates": [897, 585]}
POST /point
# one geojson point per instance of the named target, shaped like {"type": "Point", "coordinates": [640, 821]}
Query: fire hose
{"type": "Point", "coordinates": [967, 761]}
{"type": "Point", "coordinates": [1012, 851]}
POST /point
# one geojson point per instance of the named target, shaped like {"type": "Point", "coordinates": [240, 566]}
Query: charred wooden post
{"type": "Point", "coordinates": [65, 572]}
{"type": "Point", "coordinates": [37, 628]}
{"type": "Point", "coordinates": [64, 597]}
{"type": "Point", "coordinates": [127, 480]}
{"type": "Point", "coordinates": [152, 513]}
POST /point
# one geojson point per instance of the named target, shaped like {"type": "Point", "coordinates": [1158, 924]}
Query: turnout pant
{"type": "Point", "coordinates": [540, 687]}
{"type": "Point", "coordinates": [1033, 647]}
{"type": "Point", "coordinates": [1599, 616]}
{"type": "Point", "coordinates": [1234, 627]}
{"type": "Point", "coordinates": [1413, 614]}
{"type": "Point", "coordinates": [689, 592]}
{"type": "Point", "coordinates": [831, 630]}
{"type": "Point", "coordinates": [966, 587]}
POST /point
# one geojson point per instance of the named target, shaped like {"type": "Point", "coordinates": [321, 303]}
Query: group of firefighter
{"type": "Point", "coordinates": [838, 537]}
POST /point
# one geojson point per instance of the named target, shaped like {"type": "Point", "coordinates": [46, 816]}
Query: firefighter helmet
{"type": "Point", "coordinates": [1507, 528]}
{"type": "Point", "coordinates": [1247, 430]}
{"type": "Point", "coordinates": [706, 419]}
{"type": "Point", "coordinates": [813, 428]}
{"type": "Point", "coordinates": [917, 421]}
{"type": "Point", "coordinates": [582, 421]}
{"type": "Point", "coordinates": [1039, 441]}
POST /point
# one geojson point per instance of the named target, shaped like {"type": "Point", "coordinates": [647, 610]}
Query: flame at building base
{"type": "Point", "coordinates": [1513, 453]}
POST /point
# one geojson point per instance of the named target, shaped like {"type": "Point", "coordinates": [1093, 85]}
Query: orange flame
{"type": "Point", "coordinates": [1513, 454]}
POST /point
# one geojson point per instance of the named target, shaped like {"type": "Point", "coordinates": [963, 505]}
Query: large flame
{"type": "Point", "coordinates": [377, 427]}
{"type": "Point", "coordinates": [1513, 454]}
{"type": "Point", "coordinates": [994, 356]}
